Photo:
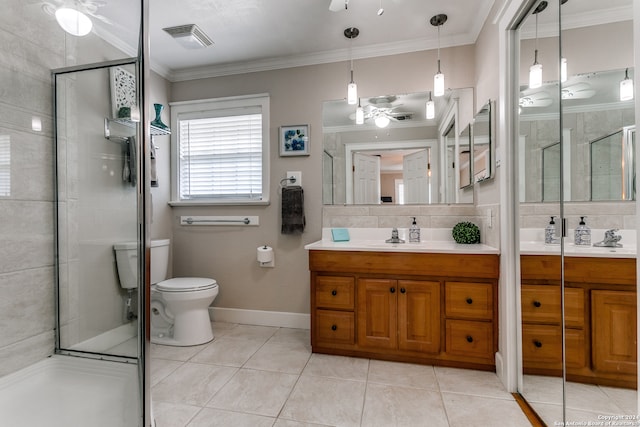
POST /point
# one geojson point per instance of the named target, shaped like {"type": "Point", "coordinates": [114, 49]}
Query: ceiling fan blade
{"type": "Point", "coordinates": [581, 94]}
{"type": "Point", "coordinates": [338, 5]}
{"type": "Point", "coordinates": [542, 102]}
{"type": "Point", "coordinates": [577, 87]}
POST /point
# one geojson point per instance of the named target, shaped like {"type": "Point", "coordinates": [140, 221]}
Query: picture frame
{"type": "Point", "coordinates": [123, 92]}
{"type": "Point", "coordinates": [294, 140]}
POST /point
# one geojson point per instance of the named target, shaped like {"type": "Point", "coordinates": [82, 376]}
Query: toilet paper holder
{"type": "Point", "coordinates": [265, 256]}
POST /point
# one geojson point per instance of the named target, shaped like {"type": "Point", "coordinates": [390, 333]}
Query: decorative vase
{"type": "Point", "coordinates": [157, 122]}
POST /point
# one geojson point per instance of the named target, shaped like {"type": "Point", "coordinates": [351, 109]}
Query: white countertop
{"type": "Point", "coordinates": [373, 240]}
{"type": "Point", "coordinates": [532, 243]}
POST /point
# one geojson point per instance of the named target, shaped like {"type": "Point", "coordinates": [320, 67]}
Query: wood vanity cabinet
{"type": "Point", "coordinates": [415, 307]}
{"type": "Point", "coordinates": [600, 318]}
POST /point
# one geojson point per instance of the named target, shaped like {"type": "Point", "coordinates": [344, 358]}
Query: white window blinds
{"type": "Point", "coordinates": [220, 157]}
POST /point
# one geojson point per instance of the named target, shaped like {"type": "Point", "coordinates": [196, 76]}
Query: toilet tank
{"type": "Point", "coordinates": [127, 262]}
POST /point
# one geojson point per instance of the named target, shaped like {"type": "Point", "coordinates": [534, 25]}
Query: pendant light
{"type": "Point", "coordinates": [535, 71]}
{"type": "Point", "coordinates": [73, 21]}
{"type": "Point", "coordinates": [626, 87]}
{"type": "Point", "coordinates": [563, 70]}
{"type": "Point", "coordinates": [359, 114]}
{"type": "Point", "coordinates": [352, 88]}
{"type": "Point", "coordinates": [431, 108]}
{"type": "Point", "coordinates": [438, 79]}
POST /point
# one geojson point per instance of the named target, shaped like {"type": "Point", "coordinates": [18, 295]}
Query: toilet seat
{"type": "Point", "coordinates": [186, 284]}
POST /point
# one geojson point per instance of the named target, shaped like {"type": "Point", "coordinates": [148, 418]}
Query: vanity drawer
{"type": "Point", "coordinates": [469, 300]}
{"type": "Point", "coordinates": [541, 304]}
{"type": "Point", "coordinates": [470, 339]}
{"type": "Point", "coordinates": [336, 292]}
{"type": "Point", "coordinates": [335, 327]}
{"type": "Point", "coordinates": [542, 347]}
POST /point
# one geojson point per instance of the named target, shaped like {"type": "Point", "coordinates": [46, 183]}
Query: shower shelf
{"type": "Point", "coordinates": [155, 131]}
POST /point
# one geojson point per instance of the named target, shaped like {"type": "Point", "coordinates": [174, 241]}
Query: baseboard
{"type": "Point", "coordinates": [260, 317]}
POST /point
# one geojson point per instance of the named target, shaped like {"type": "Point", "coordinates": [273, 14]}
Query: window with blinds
{"type": "Point", "coordinates": [5, 166]}
{"type": "Point", "coordinates": [221, 152]}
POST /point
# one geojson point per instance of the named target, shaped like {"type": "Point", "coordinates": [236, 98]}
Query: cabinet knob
{"type": "Point", "coordinates": [334, 292]}
{"type": "Point", "coordinates": [403, 290]}
{"type": "Point", "coordinates": [537, 303]}
{"type": "Point", "coordinates": [537, 343]}
{"type": "Point", "coordinates": [334, 327]}
{"type": "Point", "coordinates": [392, 290]}
{"type": "Point", "coordinates": [469, 301]}
{"type": "Point", "coordinates": [469, 338]}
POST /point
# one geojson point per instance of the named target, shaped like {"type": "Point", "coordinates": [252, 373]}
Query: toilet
{"type": "Point", "coordinates": [179, 306]}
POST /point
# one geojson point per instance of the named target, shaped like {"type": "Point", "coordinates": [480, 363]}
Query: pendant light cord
{"type": "Point", "coordinates": [438, 49]}
{"type": "Point", "coordinates": [535, 57]}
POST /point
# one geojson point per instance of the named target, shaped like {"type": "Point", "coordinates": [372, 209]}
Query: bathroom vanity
{"type": "Point", "coordinates": [432, 302]}
{"type": "Point", "coordinates": [600, 315]}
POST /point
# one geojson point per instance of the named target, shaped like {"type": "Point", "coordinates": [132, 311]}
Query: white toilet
{"type": "Point", "coordinates": [179, 306]}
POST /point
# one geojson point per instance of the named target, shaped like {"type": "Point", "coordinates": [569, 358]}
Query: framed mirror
{"type": "Point", "coordinates": [465, 158]}
{"type": "Point", "coordinates": [483, 147]}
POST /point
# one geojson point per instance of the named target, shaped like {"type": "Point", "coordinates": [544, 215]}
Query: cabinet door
{"type": "Point", "coordinates": [614, 331]}
{"type": "Point", "coordinates": [419, 316]}
{"type": "Point", "coordinates": [377, 313]}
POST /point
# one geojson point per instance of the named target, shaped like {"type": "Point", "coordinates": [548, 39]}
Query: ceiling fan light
{"type": "Point", "coordinates": [352, 93]}
{"type": "Point", "coordinates": [359, 114]}
{"type": "Point", "coordinates": [438, 84]}
{"type": "Point", "coordinates": [563, 70]}
{"type": "Point", "coordinates": [626, 88]}
{"type": "Point", "coordinates": [382, 121]}
{"type": "Point", "coordinates": [73, 21]}
{"type": "Point", "coordinates": [535, 76]}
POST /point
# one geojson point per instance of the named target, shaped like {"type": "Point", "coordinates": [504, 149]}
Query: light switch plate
{"type": "Point", "coordinates": [298, 178]}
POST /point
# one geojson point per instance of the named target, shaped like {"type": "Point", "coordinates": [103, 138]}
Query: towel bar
{"type": "Point", "coordinates": [219, 220]}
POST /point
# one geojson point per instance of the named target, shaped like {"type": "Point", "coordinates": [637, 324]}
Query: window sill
{"type": "Point", "coordinates": [181, 203]}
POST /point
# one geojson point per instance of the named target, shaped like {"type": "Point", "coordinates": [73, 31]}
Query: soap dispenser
{"type": "Point", "coordinates": [414, 232]}
{"type": "Point", "coordinates": [550, 232]}
{"type": "Point", "coordinates": [582, 235]}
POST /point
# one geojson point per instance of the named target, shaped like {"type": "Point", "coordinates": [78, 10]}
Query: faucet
{"type": "Point", "coordinates": [394, 237]}
{"type": "Point", "coordinates": [611, 239]}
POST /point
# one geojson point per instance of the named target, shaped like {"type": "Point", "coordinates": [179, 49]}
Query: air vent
{"type": "Point", "coordinates": [189, 36]}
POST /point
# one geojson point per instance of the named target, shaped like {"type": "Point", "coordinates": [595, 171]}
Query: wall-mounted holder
{"type": "Point", "coordinates": [265, 256]}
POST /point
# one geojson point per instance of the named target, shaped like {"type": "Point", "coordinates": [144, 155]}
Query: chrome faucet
{"type": "Point", "coordinates": [611, 239]}
{"type": "Point", "coordinates": [394, 237]}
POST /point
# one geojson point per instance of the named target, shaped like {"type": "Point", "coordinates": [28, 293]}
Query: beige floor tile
{"type": "Point", "coordinates": [255, 392]}
{"type": "Point", "coordinates": [347, 368]}
{"type": "Point", "coordinates": [393, 406]}
{"type": "Point", "coordinates": [280, 357]}
{"type": "Point", "coordinates": [216, 418]}
{"type": "Point", "coordinates": [221, 329]}
{"type": "Point", "coordinates": [469, 381]}
{"type": "Point", "coordinates": [328, 401]}
{"type": "Point", "coordinates": [228, 351]}
{"type": "Point", "coordinates": [402, 374]}
{"type": "Point", "coordinates": [160, 368]}
{"type": "Point", "coordinates": [626, 399]}
{"type": "Point", "coordinates": [181, 354]}
{"type": "Point", "coordinates": [538, 388]}
{"type": "Point", "coordinates": [173, 414]}
{"type": "Point", "coordinates": [252, 332]}
{"type": "Point", "coordinates": [474, 411]}
{"type": "Point", "coordinates": [192, 384]}
{"type": "Point", "coordinates": [589, 397]}
{"type": "Point", "coordinates": [288, 423]}
{"type": "Point", "coordinates": [292, 336]}
{"type": "Point", "coordinates": [551, 414]}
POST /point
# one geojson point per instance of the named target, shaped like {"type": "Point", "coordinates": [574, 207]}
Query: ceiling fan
{"type": "Point", "coordinates": [538, 99]}
{"type": "Point", "coordinates": [578, 91]}
{"type": "Point", "coordinates": [382, 112]}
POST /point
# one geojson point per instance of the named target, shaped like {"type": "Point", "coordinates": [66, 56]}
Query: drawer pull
{"type": "Point", "coordinates": [537, 303]}
{"type": "Point", "coordinates": [537, 343]}
{"type": "Point", "coordinates": [469, 301]}
{"type": "Point", "coordinates": [334, 292]}
{"type": "Point", "coordinates": [392, 290]}
{"type": "Point", "coordinates": [469, 338]}
{"type": "Point", "coordinates": [403, 290]}
{"type": "Point", "coordinates": [334, 327]}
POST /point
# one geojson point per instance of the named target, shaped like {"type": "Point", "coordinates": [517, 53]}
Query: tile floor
{"type": "Point", "coordinates": [265, 376]}
{"type": "Point", "coordinates": [586, 403]}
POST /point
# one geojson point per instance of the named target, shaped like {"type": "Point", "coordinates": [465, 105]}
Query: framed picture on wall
{"type": "Point", "coordinates": [294, 140]}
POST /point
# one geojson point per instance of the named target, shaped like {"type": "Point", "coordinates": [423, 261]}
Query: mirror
{"type": "Point", "coordinates": [394, 157]}
{"type": "Point", "coordinates": [587, 99]}
{"type": "Point", "coordinates": [465, 171]}
{"type": "Point", "coordinates": [483, 147]}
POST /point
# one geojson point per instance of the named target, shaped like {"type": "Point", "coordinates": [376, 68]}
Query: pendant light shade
{"type": "Point", "coordinates": [359, 114]}
{"type": "Point", "coordinates": [73, 21]}
{"type": "Point", "coordinates": [431, 108]}
{"type": "Point", "coordinates": [626, 87]}
{"type": "Point", "coordinates": [535, 71]}
{"type": "Point", "coordinates": [438, 79]}
{"type": "Point", "coordinates": [563, 70]}
{"type": "Point", "coordinates": [352, 87]}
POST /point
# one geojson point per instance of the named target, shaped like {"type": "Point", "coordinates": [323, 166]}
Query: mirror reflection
{"type": "Point", "coordinates": [394, 156]}
{"type": "Point", "coordinates": [483, 155]}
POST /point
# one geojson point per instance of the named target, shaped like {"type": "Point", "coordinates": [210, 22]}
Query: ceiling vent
{"type": "Point", "coordinates": [189, 36]}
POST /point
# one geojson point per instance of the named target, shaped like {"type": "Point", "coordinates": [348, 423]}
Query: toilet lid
{"type": "Point", "coordinates": [186, 284]}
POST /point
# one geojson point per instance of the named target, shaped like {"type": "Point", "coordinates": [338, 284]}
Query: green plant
{"type": "Point", "coordinates": [466, 232]}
